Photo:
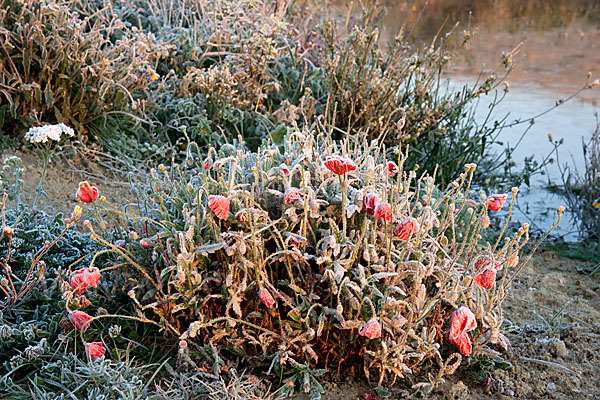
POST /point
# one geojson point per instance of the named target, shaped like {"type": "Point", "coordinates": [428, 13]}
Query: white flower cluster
{"type": "Point", "coordinates": [41, 134]}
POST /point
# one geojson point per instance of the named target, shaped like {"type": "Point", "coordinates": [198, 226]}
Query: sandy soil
{"type": "Point", "coordinates": [62, 180]}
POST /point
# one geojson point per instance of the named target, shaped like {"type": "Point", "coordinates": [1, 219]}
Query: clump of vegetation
{"type": "Point", "coordinates": [61, 66]}
{"type": "Point", "coordinates": [582, 190]}
{"type": "Point", "coordinates": [316, 255]}
{"type": "Point", "coordinates": [151, 73]}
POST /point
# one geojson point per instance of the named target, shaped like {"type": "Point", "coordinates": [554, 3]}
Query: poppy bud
{"type": "Point", "coordinates": [372, 329]}
{"type": "Point", "coordinates": [266, 298]}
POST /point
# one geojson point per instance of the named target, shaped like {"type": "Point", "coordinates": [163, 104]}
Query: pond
{"type": "Point", "coordinates": [561, 44]}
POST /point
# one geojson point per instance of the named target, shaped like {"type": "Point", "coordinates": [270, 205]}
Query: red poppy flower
{"type": "Point", "coordinates": [95, 350]}
{"type": "Point", "coordinates": [406, 227]}
{"type": "Point", "coordinates": [87, 193]}
{"type": "Point", "coordinates": [80, 320]}
{"type": "Point", "coordinates": [207, 163]}
{"type": "Point", "coordinates": [486, 278]}
{"type": "Point", "coordinates": [220, 205]}
{"type": "Point", "coordinates": [372, 329]}
{"type": "Point", "coordinates": [462, 321]}
{"type": "Point", "coordinates": [84, 278]}
{"type": "Point", "coordinates": [392, 168]}
{"type": "Point", "coordinates": [291, 195]}
{"type": "Point", "coordinates": [339, 165]}
{"type": "Point", "coordinates": [370, 202]}
{"type": "Point", "coordinates": [266, 298]}
{"type": "Point", "coordinates": [384, 210]}
{"type": "Point", "coordinates": [496, 201]}
{"type": "Point", "coordinates": [463, 342]}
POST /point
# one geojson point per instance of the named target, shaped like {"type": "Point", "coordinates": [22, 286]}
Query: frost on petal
{"type": "Point", "coordinates": [496, 201]}
{"type": "Point", "coordinates": [84, 278]}
{"type": "Point", "coordinates": [463, 342]}
{"type": "Point", "coordinates": [87, 193]}
{"type": "Point", "coordinates": [370, 203]}
{"type": "Point", "coordinates": [462, 321]}
{"type": "Point", "coordinates": [95, 350]}
{"type": "Point", "coordinates": [372, 329]}
{"type": "Point", "coordinates": [339, 165]}
{"type": "Point", "coordinates": [486, 278]}
{"type": "Point", "coordinates": [392, 168]}
{"type": "Point", "coordinates": [80, 320]}
{"type": "Point", "coordinates": [219, 205]}
{"type": "Point", "coordinates": [266, 298]}
{"type": "Point", "coordinates": [384, 210]}
{"type": "Point", "coordinates": [406, 227]}
{"type": "Point", "coordinates": [291, 195]}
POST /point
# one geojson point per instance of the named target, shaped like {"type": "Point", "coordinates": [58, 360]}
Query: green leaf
{"type": "Point", "coordinates": [382, 391]}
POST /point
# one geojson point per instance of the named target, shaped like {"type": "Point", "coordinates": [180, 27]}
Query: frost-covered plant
{"type": "Point", "coordinates": [317, 254]}
{"type": "Point", "coordinates": [44, 138]}
{"type": "Point", "coordinates": [61, 63]}
{"type": "Point", "coordinates": [20, 274]}
{"type": "Point", "coordinates": [582, 190]}
{"type": "Point", "coordinates": [11, 178]}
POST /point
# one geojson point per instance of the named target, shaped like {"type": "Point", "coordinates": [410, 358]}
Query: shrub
{"type": "Point", "coordinates": [60, 65]}
{"type": "Point", "coordinates": [275, 257]}
{"type": "Point", "coordinates": [582, 191]}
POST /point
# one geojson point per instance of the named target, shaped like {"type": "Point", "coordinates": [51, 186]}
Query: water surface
{"type": "Point", "coordinates": [561, 44]}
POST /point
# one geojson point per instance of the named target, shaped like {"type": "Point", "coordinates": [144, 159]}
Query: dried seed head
{"type": "Point", "coordinates": [5, 331]}
{"type": "Point", "coordinates": [485, 221]}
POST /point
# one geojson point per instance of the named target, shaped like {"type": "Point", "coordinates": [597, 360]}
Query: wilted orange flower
{"type": "Point", "coordinates": [84, 278]}
{"type": "Point", "coordinates": [372, 329]}
{"type": "Point", "coordinates": [496, 201]}
{"type": "Point", "coordinates": [266, 298]}
{"type": "Point", "coordinates": [384, 210]}
{"type": "Point", "coordinates": [80, 320]}
{"type": "Point", "coordinates": [291, 195]}
{"type": "Point", "coordinates": [87, 193]}
{"type": "Point", "coordinates": [339, 165]}
{"type": "Point", "coordinates": [486, 278]}
{"type": "Point", "coordinates": [406, 227]}
{"type": "Point", "coordinates": [95, 350]}
{"type": "Point", "coordinates": [392, 168]}
{"type": "Point", "coordinates": [219, 205]}
{"type": "Point", "coordinates": [370, 203]}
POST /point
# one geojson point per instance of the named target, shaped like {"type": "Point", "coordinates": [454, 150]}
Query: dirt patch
{"type": "Point", "coordinates": [62, 180]}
